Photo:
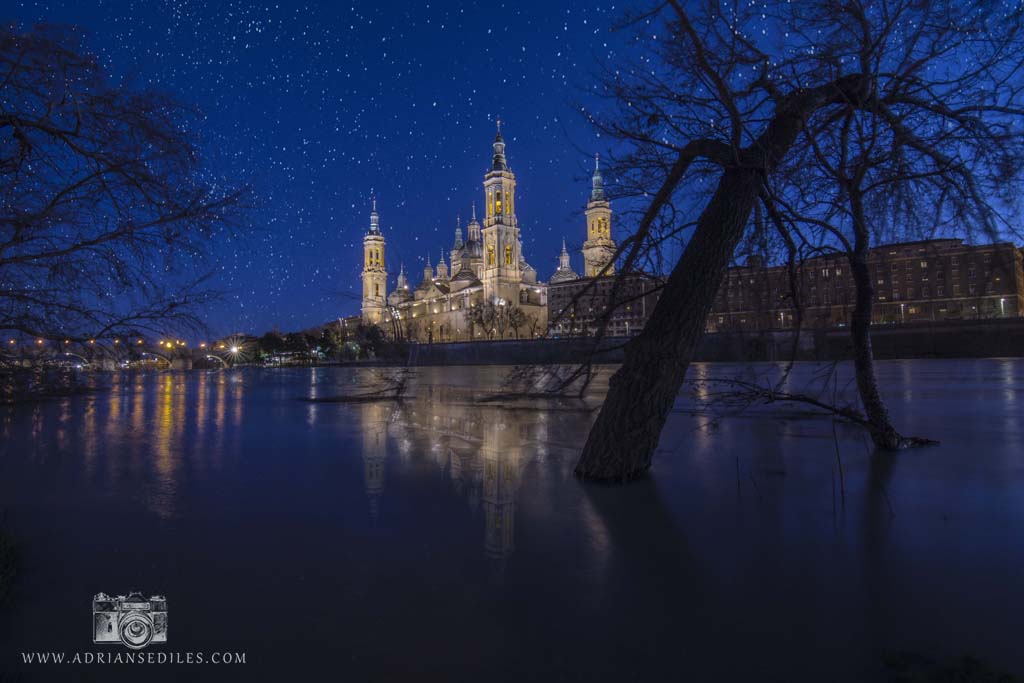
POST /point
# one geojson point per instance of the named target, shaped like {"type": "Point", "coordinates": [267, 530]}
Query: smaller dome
{"type": "Point", "coordinates": [563, 276]}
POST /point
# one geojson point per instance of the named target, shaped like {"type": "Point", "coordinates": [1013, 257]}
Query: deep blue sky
{"type": "Point", "coordinates": [317, 105]}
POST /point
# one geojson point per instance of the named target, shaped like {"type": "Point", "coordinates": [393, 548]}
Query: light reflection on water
{"type": "Point", "coordinates": [442, 537]}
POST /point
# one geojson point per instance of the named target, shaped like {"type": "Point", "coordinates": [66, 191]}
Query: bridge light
{"type": "Point", "coordinates": [139, 341]}
{"type": "Point", "coordinates": [12, 342]}
{"type": "Point", "coordinates": [234, 349]}
{"type": "Point", "coordinates": [67, 341]}
{"type": "Point", "coordinates": [117, 341]}
{"type": "Point", "coordinates": [202, 345]}
{"type": "Point", "coordinates": [92, 341]}
{"type": "Point", "coordinates": [39, 341]}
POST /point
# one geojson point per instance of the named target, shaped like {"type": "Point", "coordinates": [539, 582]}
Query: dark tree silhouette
{"type": "Point", "coordinates": [715, 116]}
{"type": "Point", "coordinates": [105, 210]}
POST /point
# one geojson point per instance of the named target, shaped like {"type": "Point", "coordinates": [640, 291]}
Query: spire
{"type": "Point", "coordinates": [499, 163]}
{"type": "Point", "coordinates": [402, 284]}
{"type": "Point", "coordinates": [458, 235]}
{"type": "Point", "coordinates": [564, 273]}
{"type": "Point", "coordinates": [428, 271]}
{"type": "Point", "coordinates": [473, 228]}
{"type": "Point", "coordinates": [442, 268]}
{"type": "Point", "coordinates": [374, 218]}
{"type": "Point", "coordinates": [597, 193]}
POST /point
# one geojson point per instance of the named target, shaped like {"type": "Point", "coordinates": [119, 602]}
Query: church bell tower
{"type": "Point", "coordinates": [599, 249]}
{"type": "Point", "coordinates": [502, 272]}
{"type": "Point", "coordinates": [375, 276]}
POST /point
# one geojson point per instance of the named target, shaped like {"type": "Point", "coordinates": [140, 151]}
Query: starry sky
{"type": "Point", "coordinates": [318, 106]}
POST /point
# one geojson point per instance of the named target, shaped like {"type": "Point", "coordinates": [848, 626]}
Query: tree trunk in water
{"type": "Point", "coordinates": [641, 393]}
{"type": "Point", "coordinates": [621, 443]}
{"type": "Point", "coordinates": [883, 434]}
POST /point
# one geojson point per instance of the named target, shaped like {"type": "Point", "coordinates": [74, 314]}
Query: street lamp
{"type": "Point", "coordinates": [1002, 308]}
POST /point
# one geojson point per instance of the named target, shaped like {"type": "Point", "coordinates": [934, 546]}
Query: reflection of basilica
{"type": "Point", "coordinates": [373, 421]}
{"type": "Point", "coordinates": [483, 449]}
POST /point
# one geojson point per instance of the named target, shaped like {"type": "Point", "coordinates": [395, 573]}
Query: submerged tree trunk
{"type": "Point", "coordinates": [883, 434]}
{"type": "Point", "coordinates": [621, 443]}
{"type": "Point", "coordinates": [641, 393]}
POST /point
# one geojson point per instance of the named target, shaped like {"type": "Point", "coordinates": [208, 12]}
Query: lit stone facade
{"type": "Point", "coordinates": [488, 266]}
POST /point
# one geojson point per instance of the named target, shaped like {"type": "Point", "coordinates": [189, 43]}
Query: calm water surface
{"type": "Point", "coordinates": [446, 539]}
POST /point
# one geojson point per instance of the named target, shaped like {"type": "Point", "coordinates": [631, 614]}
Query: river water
{"type": "Point", "coordinates": [445, 538]}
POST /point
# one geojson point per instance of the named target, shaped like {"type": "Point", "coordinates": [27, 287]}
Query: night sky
{"type": "Point", "coordinates": [319, 105]}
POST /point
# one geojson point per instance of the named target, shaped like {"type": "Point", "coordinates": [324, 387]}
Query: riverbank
{"type": "Point", "coordinates": [996, 338]}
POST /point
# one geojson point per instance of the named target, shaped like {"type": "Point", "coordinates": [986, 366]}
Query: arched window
{"type": "Point", "coordinates": [508, 254]}
{"type": "Point", "coordinates": [497, 202]}
{"type": "Point", "coordinates": [490, 255]}
{"type": "Point", "coordinates": [376, 290]}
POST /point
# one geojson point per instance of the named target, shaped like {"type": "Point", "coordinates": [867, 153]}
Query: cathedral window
{"type": "Point", "coordinates": [497, 202]}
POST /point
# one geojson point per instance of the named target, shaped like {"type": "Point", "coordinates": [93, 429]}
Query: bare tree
{"type": "Point", "coordinates": [724, 105]}
{"type": "Point", "coordinates": [516, 319]}
{"type": "Point", "coordinates": [105, 211]}
{"type": "Point", "coordinates": [485, 316]}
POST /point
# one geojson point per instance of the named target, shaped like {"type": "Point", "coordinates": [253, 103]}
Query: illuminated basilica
{"type": "Point", "coordinates": [487, 265]}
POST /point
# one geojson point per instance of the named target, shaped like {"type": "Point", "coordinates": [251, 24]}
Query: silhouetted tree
{"type": "Point", "coordinates": [105, 210]}
{"type": "Point", "coordinates": [483, 315]}
{"type": "Point", "coordinates": [732, 92]}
